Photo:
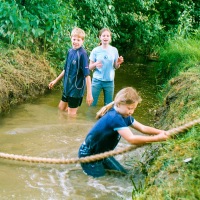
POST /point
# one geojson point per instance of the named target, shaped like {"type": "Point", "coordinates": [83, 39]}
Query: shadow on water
{"type": "Point", "coordinates": [39, 129]}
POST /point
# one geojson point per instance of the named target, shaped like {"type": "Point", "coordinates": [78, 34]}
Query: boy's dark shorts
{"type": "Point", "coordinates": [72, 101]}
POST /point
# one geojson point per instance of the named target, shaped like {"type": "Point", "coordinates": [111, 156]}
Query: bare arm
{"type": "Point", "coordinates": [52, 83]}
{"type": "Point", "coordinates": [159, 135]}
{"type": "Point", "coordinates": [146, 129]}
{"type": "Point", "coordinates": [89, 98]}
{"type": "Point", "coordinates": [140, 139]}
{"type": "Point", "coordinates": [118, 62]}
{"type": "Point", "coordinates": [93, 64]}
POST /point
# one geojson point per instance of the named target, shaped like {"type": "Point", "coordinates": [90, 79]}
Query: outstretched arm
{"type": "Point", "coordinates": [140, 139]}
{"type": "Point", "coordinates": [156, 135]}
{"type": "Point", "coordinates": [52, 83]}
{"type": "Point", "coordinates": [146, 129]}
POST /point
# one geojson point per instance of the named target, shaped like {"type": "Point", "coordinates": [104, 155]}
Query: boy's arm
{"type": "Point", "coordinates": [89, 98]}
{"type": "Point", "coordinates": [52, 83]}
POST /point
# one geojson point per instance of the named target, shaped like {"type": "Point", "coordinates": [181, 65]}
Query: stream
{"type": "Point", "coordinates": [38, 129]}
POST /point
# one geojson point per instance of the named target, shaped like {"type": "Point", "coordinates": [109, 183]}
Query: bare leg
{"type": "Point", "coordinates": [72, 111]}
{"type": "Point", "coordinates": [63, 106]}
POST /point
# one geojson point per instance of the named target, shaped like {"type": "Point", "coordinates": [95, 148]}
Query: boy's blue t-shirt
{"type": "Point", "coordinates": [107, 58]}
{"type": "Point", "coordinates": [104, 136]}
{"type": "Point", "coordinates": [76, 69]}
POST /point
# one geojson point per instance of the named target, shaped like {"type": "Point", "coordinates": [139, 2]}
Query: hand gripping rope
{"type": "Point", "coordinates": [92, 158]}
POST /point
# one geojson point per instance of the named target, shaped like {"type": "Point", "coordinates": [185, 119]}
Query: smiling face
{"type": "Point", "coordinates": [126, 109]}
{"type": "Point", "coordinates": [105, 37]}
{"type": "Point", "coordinates": [77, 42]}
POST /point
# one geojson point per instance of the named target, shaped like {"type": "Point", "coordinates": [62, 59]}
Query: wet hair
{"type": "Point", "coordinates": [127, 95]}
{"type": "Point", "coordinates": [78, 32]}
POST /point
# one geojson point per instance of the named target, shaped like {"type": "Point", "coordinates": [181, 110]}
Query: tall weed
{"type": "Point", "coordinates": [175, 56]}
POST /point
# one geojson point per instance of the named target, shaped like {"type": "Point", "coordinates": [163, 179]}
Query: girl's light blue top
{"type": "Point", "coordinates": [107, 57]}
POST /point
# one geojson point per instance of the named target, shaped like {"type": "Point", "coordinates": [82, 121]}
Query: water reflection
{"type": "Point", "coordinates": [39, 129]}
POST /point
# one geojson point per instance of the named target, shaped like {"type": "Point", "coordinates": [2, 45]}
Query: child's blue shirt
{"type": "Point", "coordinates": [107, 57]}
{"type": "Point", "coordinates": [76, 69]}
{"type": "Point", "coordinates": [104, 136]}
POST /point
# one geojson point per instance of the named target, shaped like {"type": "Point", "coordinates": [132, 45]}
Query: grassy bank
{"type": "Point", "coordinates": [23, 76]}
{"type": "Point", "coordinates": [175, 173]}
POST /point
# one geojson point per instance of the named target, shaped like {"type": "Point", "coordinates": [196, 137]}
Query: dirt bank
{"type": "Point", "coordinates": [23, 76]}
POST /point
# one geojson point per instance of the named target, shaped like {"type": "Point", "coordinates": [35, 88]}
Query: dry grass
{"type": "Point", "coordinates": [182, 101]}
{"type": "Point", "coordinates": [23, 76]}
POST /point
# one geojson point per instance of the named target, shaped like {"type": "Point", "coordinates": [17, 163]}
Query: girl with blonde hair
{"type": "Point", "coordinates": [114, 122]}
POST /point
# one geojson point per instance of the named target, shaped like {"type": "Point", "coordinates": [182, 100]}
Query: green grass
{"type": "Point", "coordinates": [177, 56]}
{"type": "Point", "coordinates": [169, 177]}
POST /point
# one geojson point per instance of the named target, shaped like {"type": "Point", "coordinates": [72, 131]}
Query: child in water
{"type": "Point", "coordinates": [115, 118]}
{"type": "Point", "coordinates": [104, 60]}
{"type": "Point", "coordinates": [76, 75]}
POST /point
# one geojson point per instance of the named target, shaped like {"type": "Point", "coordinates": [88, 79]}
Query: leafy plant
{"type": "Point", "coordinates": [44, 25]}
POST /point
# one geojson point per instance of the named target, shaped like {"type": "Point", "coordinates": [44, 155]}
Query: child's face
{"type": "Point", "coordinates": [126, 109]}
{"type": "Point", "coordinates": [105, 37]}
{"type": "Point", "coordinates": [77, 42]}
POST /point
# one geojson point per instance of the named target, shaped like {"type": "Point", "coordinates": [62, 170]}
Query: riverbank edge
{"type": "Point", "coordinates": [172, 167]}
{"type": "Point", "coordinates": [23, 77]}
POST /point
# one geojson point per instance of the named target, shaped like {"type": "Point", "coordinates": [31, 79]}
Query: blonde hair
{"type": "Point", "coordinates": [126, 95]}
{"type": "Point", "coordinates": [78, 32]}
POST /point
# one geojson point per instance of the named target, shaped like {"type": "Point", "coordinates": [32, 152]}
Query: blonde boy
{"type": "Point", "coordinates": [76, 75]}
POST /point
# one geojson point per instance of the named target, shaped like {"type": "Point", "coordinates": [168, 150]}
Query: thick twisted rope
{"type": "Point", "coordinates": [93, 157]}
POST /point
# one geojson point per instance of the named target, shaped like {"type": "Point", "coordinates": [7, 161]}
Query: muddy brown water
{"type": "Point", "coordinates": [38, 129]}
